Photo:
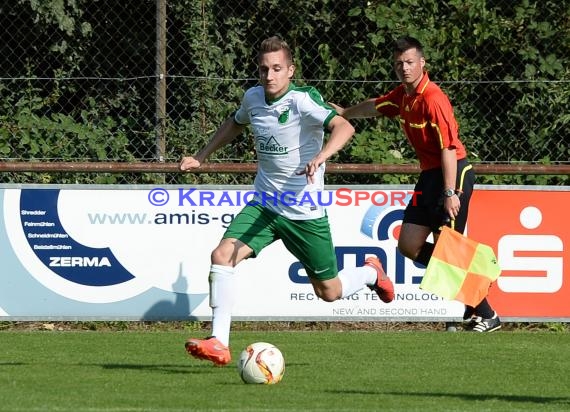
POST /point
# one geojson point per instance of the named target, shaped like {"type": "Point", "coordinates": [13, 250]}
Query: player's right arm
{"type": "Point", "coordinates": [363, 109]}
{"type": "Point", "coordinates": [225, 134]}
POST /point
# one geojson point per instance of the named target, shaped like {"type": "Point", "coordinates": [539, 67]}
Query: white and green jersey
{"type": "Point", "coordinates": [288, 133]}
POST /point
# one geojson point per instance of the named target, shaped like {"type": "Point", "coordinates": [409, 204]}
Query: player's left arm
{"type": "Point", "coordinates": [341, 131]}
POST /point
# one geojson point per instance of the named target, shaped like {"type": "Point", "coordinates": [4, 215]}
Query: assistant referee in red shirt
{"type": "Point", "coordinates": [446, 179]}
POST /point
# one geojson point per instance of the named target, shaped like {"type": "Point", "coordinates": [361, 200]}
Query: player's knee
{"type": "Point", "coordinates": [221, 256]}
{"type": "Point", "coordinates": [327, 293]}
{"type": "Point", "coordinates": [327, 296]}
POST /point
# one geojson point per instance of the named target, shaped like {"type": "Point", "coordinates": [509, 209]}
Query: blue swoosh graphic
{"type": "Point", "coordinates": [81, 264]}
{"type": "Point", "coordinates": [372, 215]}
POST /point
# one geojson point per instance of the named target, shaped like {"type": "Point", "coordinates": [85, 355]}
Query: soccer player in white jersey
{"type": "Point", "coordinates": [288, 124]}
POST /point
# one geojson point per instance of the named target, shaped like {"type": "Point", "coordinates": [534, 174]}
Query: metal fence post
{"type": "Point", "coordinates": [160, 79]}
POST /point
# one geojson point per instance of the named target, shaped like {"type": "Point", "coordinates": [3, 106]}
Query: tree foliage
{"type": "Point", "coordinates": [513, 56]}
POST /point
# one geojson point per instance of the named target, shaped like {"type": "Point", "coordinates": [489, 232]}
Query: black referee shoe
{"type": "Point", "coordinates": [485, 325]}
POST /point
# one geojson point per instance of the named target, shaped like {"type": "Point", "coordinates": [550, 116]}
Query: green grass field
{"type": "Point", "coordinates": [326, 371]}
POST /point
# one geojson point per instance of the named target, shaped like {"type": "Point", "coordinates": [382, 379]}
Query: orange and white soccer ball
{"type": "Point", "coordinates": [261, 362]}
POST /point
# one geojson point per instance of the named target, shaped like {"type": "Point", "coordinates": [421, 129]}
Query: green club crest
{"type": "Point", "coordinates": [284, 116]}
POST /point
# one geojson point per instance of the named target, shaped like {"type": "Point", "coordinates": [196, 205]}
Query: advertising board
{"type": "Point", "coordinates": [143, 253]}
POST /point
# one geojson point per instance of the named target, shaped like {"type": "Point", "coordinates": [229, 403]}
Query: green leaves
{"type": "Point", "coordinates": [503, 63]}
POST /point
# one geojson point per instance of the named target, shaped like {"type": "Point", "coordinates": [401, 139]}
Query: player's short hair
{"type": "Point", "coordinates": [406, 43]}
{"type": "Point", "coordinates": [273, 44]}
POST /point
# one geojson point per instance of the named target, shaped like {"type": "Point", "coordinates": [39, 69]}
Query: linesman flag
{"type": "Point", "coordinates": [460, 268]}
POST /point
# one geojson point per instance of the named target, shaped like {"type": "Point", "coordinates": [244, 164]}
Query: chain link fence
{"type": "Point", "coordinates": [150, 80]}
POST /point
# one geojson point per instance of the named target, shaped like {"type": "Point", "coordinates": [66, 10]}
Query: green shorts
{"type": "Point", "coordinates": [310, 241]}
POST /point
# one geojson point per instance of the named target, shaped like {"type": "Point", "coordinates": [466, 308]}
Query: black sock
{"type": "Point", "coordinates": [469, 312]}
{"type": "Point", "coordinates": [484, 310]}
{"type": "Point", "coordinates": [425, 253]}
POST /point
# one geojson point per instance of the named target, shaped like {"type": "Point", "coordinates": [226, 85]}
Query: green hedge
{"type": "Point", "coordinates": [505, 65]}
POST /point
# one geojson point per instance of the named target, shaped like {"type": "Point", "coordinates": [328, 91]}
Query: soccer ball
{"type": "Point", "coordinates": [261, 362]}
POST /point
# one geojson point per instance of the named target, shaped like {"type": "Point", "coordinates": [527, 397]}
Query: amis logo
{"type": "Point", "coordinates": [270, 146]}
{"type": "Point", "coordinates": [78, 261]}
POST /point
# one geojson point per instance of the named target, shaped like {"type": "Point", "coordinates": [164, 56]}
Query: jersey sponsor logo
{"type": "Point", "coordinates": [270, 146]}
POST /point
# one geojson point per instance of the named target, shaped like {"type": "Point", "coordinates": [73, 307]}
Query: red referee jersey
{"type": "Point", "coordinates": [427, 119]}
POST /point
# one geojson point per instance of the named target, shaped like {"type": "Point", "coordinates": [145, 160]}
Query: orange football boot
{"type": "Point", "coordinates": [383, 287]}
{"type": "Point", "coordinates": [209, 349]}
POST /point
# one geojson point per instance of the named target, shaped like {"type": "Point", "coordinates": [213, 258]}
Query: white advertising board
{"type": "Point", "coordinates": [143, 253]}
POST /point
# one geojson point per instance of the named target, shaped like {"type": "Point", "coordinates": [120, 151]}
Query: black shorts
{"type": "Point", "coordinates": [427, 209]}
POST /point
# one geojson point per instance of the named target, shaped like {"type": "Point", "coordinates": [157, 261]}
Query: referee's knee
{"type": "Point", "coordinates": [409, 249]}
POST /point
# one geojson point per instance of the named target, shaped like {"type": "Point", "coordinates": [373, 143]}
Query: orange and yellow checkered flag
{"type": "Point", "coordinates": [460, 268]}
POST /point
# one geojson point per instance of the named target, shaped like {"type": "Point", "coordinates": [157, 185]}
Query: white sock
{"type": "Point", "coordinates": [222, 299]}
{"type": "Point", "coordinates": [354, 279]}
